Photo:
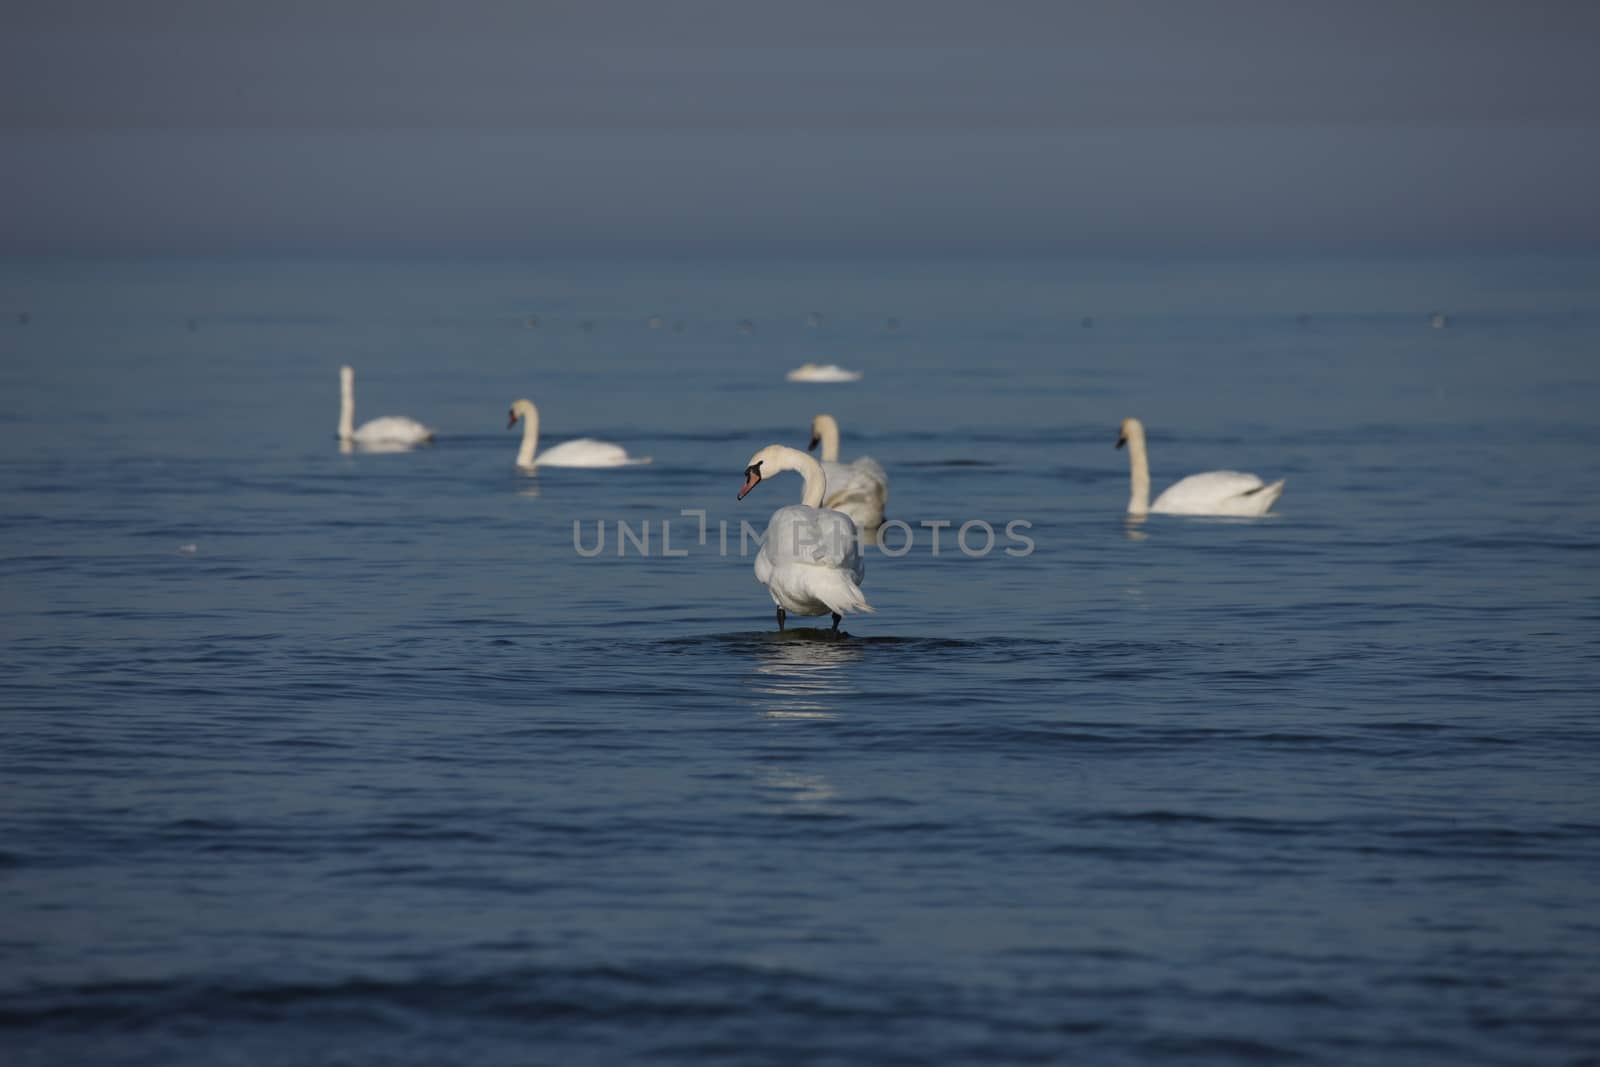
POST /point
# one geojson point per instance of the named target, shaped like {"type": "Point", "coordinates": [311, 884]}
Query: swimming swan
{"type": "Point", "coordinates": [390, 431]}
{"type": "Point", "coordinates": [860, 489]}
{"type": "Point", "coordinates": [826, 372]}
{"type": "Point", "coordinates": [810, 561]}
{"type": "Point", "coordinates": [584, 452]}
{"type": "Point", "coordinates": [1211, 493]}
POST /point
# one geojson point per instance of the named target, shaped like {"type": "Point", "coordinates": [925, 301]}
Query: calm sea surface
{"type": "Point", "coordinates": [323, 758]}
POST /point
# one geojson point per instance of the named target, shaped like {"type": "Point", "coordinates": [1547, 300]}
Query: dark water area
{"type": "Point", "coordinates": [326, 757]}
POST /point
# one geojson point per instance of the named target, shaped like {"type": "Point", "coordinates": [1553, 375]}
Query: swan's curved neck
{"type": "Point", "coordinates": [530, 436]}
{"type": "Point", "coordinates": [1139, 471]}
{"type": "Point", "coordinates": [347, 404]}
{"type": "Point", "coordinates": [775, 459]}
{"type": "Point", "coordinates": [828, 431]}
{"type": "Point", "coordinates": [816, 486]}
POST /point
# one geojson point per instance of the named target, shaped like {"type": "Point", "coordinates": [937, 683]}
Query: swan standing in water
{"type": "Point", "coordinates": [1211, 493]}
{"type": "Point", "coordinates": [860, 488]}
{"type": "Point", "coordinates": [584, 452]}
{"type": "Point", "coordinates": [810, 561]}
{"type": "Point", "coordinates": [389, 431]}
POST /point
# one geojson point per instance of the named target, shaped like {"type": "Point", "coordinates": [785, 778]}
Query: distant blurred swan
{"type": "Point", "coordinates": [826, 372]}
{"type": "Point", "coordinates": [860, 488]}
{"type": "Point", "coordinates": [583, 452]}
{"type": "Point", "coordinates": [1211, 493]}
{"type": "Point", "coordinates": [810, 560]}
{"type": "Point", "coordinates": [389, 433]}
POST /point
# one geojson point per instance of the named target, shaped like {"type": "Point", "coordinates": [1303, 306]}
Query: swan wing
{"type": "Point", "coordinates": [392, 430]}
{"type": "Point", "coordinates": [1218, 493]}
{"type": "Point", "coordinates": [810, 561]}
{"type": "Point", "coordinates": [859, 489]}
{"type": "Point", "coordinates": [871, 468]}
{"type": "Point", "coordinates": [813, 536]}
{"type": "Point", "coordinates": [587, 452]}
{"type": "Point", "coordinates": [811, 372]}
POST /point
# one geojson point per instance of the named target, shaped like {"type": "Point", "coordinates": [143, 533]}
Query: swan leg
{"type": "Point", "coordinates": [781, 617]}
{"type": "Point", "coordinates": [836, 618]}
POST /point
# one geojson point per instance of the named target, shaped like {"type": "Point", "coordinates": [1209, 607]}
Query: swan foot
{"type": "Point", "coordinates": [781, 616]}
{"type": "Point", "coordinates": [836, 618]}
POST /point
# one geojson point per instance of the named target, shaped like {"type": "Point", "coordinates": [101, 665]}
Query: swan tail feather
{"type": "Point", "coordinates": [847, 599]}
{"type": "Point", "coordinates": [1269, 493]}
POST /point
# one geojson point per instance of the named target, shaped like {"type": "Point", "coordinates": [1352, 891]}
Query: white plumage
{"type": "Point", "coordinates": [826, 372]}
{"type": "Point", "coordinates": [389, 432]}
{"type": "Point", "coordinates": [810, 560]}
{"type": "Point", "coordinates": [1218, 493]}
{"type": "Point", "coordinates": [582, 452]}
{"type": "Point", "coordinates": [860, 488]}
{"type": "Point", "coordinates": [1210, 493]}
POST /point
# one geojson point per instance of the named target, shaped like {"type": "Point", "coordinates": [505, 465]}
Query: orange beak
{"type": "Point", "coordinates": [752, 478]}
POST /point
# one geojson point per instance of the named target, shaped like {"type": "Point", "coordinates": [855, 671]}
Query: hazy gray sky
{"type": "Point", "coordinates": [898, 127]}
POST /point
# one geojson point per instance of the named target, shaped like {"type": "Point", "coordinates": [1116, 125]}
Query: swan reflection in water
{"type": "Point", "coordinates": [1132, 527]}
{"type": "Point", "coordinates": [790, 792]}
{"type": "Point", "coordinates": [375, 448]}
{"type": "Point", "coordinates": [799, 676]}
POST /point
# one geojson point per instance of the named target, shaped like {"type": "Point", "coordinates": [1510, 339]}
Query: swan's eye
{"type": "Point", "coordinates": [754, 468]}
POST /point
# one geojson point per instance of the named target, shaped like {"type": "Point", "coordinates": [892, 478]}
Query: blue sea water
{"type": "Point", "coordinates": [325, 758]}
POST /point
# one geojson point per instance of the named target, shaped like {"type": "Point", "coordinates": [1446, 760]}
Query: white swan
{"type": "Point", "coordinates": [810, 561]}
{"type": "Point", "coordinates": [388, 432]}
{"type": "Point", "coordinates": [860, 488]}
{"type": "Point", "coordinates": [584, 452]}
{"type": "Point", "coordinates": [827, 372]}
{"type": "Point", "coordinates": [1211, 493]}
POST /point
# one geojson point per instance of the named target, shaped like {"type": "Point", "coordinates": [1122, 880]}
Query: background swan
{"type": "Point", "coordinates": [583, 452]}
{"type": "Point", "coordinates": [860, 488]}
{"type": "Point", "coordinates": [827, 372]}
{"type": "Point", "coordinates": [1211, 493]}
{"type": "Point", "coordinates": [810, 561]}
{"type": "Point", "coordinates": [389, 431]}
